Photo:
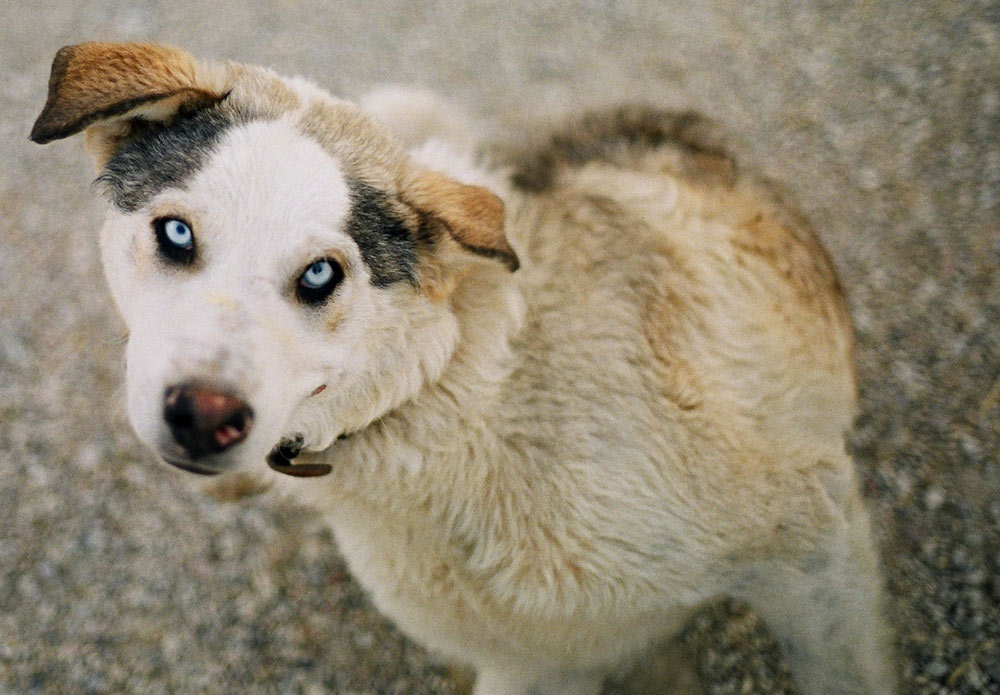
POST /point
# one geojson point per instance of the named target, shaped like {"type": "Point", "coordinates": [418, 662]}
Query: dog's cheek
{"type": "Point", "coordinates": [144, 391]}
{"type": "Point", "coordinates": [126, 264]}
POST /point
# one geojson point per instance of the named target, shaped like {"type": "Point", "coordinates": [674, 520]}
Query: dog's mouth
{"type": "Point", "coordinates": [281, 459]}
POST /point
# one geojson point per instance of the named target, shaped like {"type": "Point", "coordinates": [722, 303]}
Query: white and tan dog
{"type": "Point", "coordinates": [535, 473]}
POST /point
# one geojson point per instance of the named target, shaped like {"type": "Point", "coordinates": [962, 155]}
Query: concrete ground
{"type": "Point", "coordinates": [882, 119]}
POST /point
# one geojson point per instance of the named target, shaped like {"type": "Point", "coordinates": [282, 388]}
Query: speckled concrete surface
{"type": "Point", "coordinates": [881, 118]}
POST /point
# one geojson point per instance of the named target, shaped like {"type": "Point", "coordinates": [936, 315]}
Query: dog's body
{"type": "Point", "coordinates": [535, 473]}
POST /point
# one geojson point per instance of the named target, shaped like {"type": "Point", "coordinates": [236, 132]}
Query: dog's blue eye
{"type": "Point", "coordinates": [318, 274]}
{"type": "Point", "coordinates": [175, 240]}
{"type": "Point", "coordinates": [179, 234]}
{"type": "Point", "coordinates": [319, 280]}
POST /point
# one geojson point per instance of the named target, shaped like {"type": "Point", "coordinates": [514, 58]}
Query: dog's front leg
{"type": "Point", "coordinates": [515, 681]}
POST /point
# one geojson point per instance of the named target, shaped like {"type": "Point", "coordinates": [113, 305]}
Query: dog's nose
{"type": "Point", "coordinates": [205, 421]}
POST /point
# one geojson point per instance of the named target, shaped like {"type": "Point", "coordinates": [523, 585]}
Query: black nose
{"type": "Point", "coordinates": [205, 421]}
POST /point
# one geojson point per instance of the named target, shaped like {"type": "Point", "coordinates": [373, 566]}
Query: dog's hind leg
{"type": "Point", "coordinates": [827, 612]}
{"type": "Point", "coordinates": [668, 668]}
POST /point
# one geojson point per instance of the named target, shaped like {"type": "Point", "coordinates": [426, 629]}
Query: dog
{"type": "Point", "coordinates": [550, 401]}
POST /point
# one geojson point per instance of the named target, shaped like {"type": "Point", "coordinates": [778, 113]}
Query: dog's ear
{"type": "Point", "coordinates": [471, 215]}
{"type": "Point", "coordinates": [105, 87]}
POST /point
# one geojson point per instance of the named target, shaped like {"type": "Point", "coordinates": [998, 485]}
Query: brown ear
{"type": "Point", "coordinates": [94, 82]}
{"type": "Point", "coordinates": [471, 215]}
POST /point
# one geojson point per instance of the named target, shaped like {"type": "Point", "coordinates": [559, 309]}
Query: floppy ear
{"type": "Point", "coordinates": [106, 87]}
{"type": "Point", "coordinates": [471, 215]}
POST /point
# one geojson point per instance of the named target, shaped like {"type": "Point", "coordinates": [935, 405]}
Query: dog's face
{"type": "Point", "coordinates": [283, 267]}
{"type": "Point", "coordinates": [250, 282]}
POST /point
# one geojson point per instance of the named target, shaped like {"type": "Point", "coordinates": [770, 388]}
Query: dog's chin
{"type": "Point", "coordinates": [191, 466]}
{"type": "Point", "coordinates": [210, 465]}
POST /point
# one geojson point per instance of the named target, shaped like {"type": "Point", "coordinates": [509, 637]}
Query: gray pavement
{"type": "Point", "coordinates": [882, 120]}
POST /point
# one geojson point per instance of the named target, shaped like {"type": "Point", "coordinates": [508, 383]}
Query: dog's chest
{"type": "Point", "coordinates": [427, 589]}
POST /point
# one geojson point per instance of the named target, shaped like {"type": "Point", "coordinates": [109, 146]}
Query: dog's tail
{"type": "Point", "coordinates": [617, 136]}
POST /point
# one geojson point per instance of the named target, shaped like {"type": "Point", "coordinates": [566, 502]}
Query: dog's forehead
{"type": "Point", "coordinates": [282, 182]}
{"type": "Point", "coordinates": [267, 175]}
{"type": "Point", "coordinates": [280, 177]}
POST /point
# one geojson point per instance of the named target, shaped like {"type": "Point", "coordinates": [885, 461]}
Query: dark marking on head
{"type": "Point", "coordinates": [388, 246]}
{"type": "Point", "coordinates": [156, 156]}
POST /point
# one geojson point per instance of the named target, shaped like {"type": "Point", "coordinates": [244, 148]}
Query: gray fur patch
{"type": "Point", "coordinates": [388, 246]}
{"type": "Point", "coordinates": [157, 157]}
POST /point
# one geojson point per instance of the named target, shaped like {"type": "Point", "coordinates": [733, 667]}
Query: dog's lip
{"type": "Point", "coordinates": [189, 466]}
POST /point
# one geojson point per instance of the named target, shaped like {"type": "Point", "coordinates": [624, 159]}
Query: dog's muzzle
{"type": "Point", "coordinates": [204, 421]}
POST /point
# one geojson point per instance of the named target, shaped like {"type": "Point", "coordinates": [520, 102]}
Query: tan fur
{"type": "Point", "coordinates": [92, 82]}
{"type": "Point", "coordinates": [549, 470]}
{"type": "Point", "coordinates": [105, 87]}
{"type": "Point", "coordinates": [471, 214]}
{"type": "Point", "coordinates": [352, 138]}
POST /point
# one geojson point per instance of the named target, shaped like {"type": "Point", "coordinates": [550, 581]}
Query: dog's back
{"type": "Point", "coordinates": [639, 217]}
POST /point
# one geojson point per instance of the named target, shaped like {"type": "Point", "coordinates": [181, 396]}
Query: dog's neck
{"type": "Point", "coordinates": [451, 423]}
{"type": "Point", "coordinates": [466, 396]}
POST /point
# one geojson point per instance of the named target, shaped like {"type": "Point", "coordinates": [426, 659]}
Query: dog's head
{"type": "Point", "coordinates": [283, 266]}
